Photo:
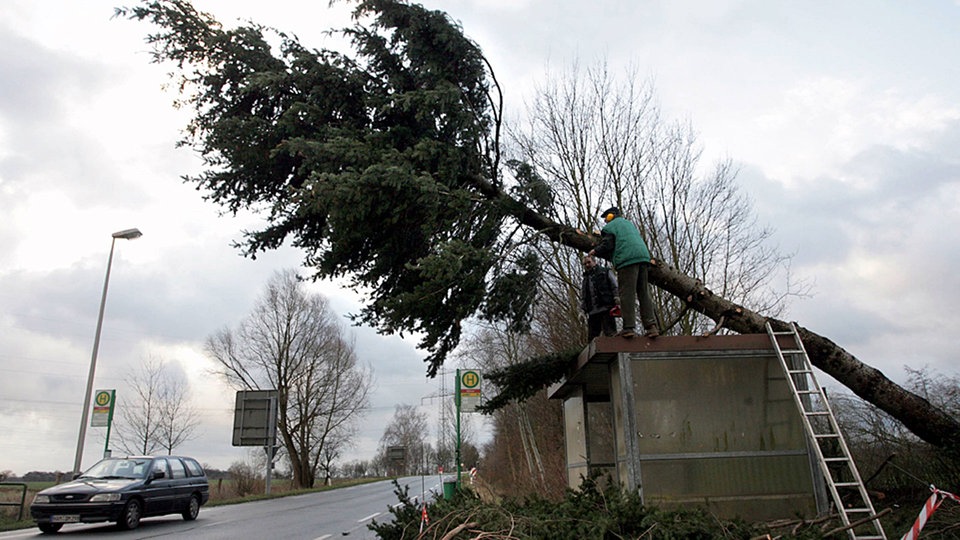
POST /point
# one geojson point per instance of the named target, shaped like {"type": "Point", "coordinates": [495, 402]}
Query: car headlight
{"type": "Point", "coordinates": [41, 499]}
{"type": "Point", "coordinates": [105, 497]}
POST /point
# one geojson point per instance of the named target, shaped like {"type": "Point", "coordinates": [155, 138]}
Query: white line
{"type": "Point", "coordinates": [371, 516]}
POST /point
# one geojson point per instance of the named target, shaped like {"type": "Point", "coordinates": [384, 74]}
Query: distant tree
{"type": "Point", "coordinates": [154, 409]}
{"type": "Point", "coordinates": [213, 473]}
{"type": "Point", "coordinates": [43, 476]}
{"type": "Point", "coordinates": [334, 450]}
{"type": "Point", "coordinates": [291, 342]}
{"type": "Point", "coordinates": [355, 469]}
{"type": "Point", "coordinates": [385, 167]}
{"type": "Point", "coordinates": [408, 429]}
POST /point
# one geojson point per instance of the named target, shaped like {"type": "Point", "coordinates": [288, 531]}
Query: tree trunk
{"type": "Point", "coordinates": [918, 415]}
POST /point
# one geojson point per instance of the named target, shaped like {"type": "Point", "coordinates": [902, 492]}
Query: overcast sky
{"type": "Point", "coordinates": [844, 118]}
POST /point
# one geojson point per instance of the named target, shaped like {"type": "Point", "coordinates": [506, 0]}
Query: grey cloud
{"type": "Point", "coordinates": [39, 89]}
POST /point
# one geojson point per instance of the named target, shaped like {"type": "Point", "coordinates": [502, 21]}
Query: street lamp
{"type": "Point", "coordinates": [127, 234]}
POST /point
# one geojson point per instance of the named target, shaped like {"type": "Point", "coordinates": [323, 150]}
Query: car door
{"type": "Point", "coordinates": [179, 484]}
{"type": "Point", "coordinates": [158, 493]}
{"type": "Point", "coordinates": [198, 479]}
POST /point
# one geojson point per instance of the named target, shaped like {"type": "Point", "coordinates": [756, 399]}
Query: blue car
{"type": "Point", "coordinates": [124, 490]}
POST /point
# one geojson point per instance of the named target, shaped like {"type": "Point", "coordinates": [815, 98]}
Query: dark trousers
{"type": "Point", "coordinates": [599, 323]}
{"type": "Point", "coordinates": [633, 281]}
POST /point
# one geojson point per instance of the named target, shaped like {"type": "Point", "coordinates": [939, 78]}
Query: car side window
{"type": "Point", "coordinates": [160, 465]}
{"type": "Point", "coordinates": [193, 467]}
{"type": "Point", "coordinates": [176, 468]}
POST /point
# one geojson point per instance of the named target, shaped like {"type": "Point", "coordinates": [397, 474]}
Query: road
{"type": "Point", "coordinates": [339, 513]}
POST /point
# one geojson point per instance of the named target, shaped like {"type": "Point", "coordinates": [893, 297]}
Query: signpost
{"type": "Point", "coordinates": [255, 423]}
{"type": "Point", "coordinates": [467, 395]}
{"type": "Point", "coordinates": [102, 416]}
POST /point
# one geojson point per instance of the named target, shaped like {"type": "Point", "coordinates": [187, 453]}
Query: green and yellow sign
{"type": "Point", "coordinates": [470, 382]}
{"type": "Point", "coordinates": [102, 408]}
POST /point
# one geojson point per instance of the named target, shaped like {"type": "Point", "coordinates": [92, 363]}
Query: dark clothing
{"type": "Point", "coordinates": [633, 284]}
{"type": "Point", "coordinates": [621, 243]}
{"type": "Point", "coordinates": [598, 293]}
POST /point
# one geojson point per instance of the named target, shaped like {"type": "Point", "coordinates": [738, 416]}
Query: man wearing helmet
{"type": "Point", "coordinates": [621, 244]}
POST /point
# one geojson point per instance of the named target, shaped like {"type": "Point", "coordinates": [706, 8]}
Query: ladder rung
{"type": "Point", "coordinates": [833, 459]}
{"type": "Point", "coordinates": [826, 435]}
{"type": "Point", "coordinates": [788, 333]}
{"type": "Point", "coordinates": [816, 413]}
{"type": "Point", "coordinates": [791, 351]}
{"type": "Point", "coordinates": [799, 371]}
{"type": "Point", "coordinates": [846, 484]}
{"type": "Point", "coordinates": [870, 537]}
{"type": "Point", "coordinates": [808, 391]}
{"type": "Point", "coordinates": [857, 511]}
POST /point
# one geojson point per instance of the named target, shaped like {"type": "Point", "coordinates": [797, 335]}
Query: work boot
{"type": "Point", "coordinates": [652, 332]}
{"type": "Point", "coordinates": [627, 333]}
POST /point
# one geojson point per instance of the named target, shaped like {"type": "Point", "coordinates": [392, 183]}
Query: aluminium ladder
{"type": "Point", "coordinates": [840, 474]}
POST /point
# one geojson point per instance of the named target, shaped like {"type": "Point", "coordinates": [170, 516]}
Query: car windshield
{"type": "Point", "coordinates": [115, 468]}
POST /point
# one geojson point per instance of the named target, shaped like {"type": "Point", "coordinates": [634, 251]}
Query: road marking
{"type": "Point", "coordinates": [371, 516]}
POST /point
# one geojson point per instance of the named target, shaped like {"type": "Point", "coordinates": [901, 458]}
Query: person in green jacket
{"type": "Point", "coordinates": [621, 244]}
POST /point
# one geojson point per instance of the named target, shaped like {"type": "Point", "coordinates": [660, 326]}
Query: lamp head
{"type": "Point", "coordinates": [128, 234]}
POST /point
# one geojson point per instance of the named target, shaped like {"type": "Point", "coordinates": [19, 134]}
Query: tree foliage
{"type": "Point", "coordinates": [385, 167]}
{"type": "Point", "coordinates": [370, 165]}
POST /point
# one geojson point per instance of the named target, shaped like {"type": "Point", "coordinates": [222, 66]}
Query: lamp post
{"type": "Point", "coordinates": [127, 234]}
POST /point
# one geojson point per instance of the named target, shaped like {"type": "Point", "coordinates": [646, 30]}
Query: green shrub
{"type": "Point", "coordinates": [586, 514]}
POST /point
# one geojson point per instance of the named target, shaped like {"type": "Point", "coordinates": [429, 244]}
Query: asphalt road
{"type": "Point", "coordinates": [340, 513]}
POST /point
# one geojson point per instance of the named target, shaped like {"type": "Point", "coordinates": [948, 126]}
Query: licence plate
{"type": "Point", "coordinates": [69, 518]}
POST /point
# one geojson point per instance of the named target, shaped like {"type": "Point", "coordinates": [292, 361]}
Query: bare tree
{"type": "Point", "coordinates": [526, 454]}
{"type": "Point", "coordinates": [292, 342]}
{"type": "Point", "coordinates": [597, 141]}
{"type": "Point", "coordinates": [178, 419]}
{"type": "Point", "coordinates": [408, 429]}
{"type": "Point", "coordinates": [158, 415]}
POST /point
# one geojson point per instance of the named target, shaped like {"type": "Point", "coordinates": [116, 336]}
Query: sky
{"type": "Point", "coordinates": [842, 117]}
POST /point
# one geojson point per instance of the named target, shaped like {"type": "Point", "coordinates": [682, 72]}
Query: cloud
{"type": "Point", "coordinates": [827, 122]}
{"type": "Point", "coordinates": [876, 237]}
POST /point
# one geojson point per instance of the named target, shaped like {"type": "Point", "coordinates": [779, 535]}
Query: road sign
{"type": "Point", "coordinates": [396, 453]}
{"type": "Point", "coordinates": [102, 408]}
{"type": "Point", "coordinates": [252, 422]}
{"type": "Point", "coordinates": [470, 383]}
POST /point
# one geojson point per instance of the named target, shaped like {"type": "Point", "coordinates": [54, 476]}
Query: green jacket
{"type": "Point", "coordinates": [621, 243]}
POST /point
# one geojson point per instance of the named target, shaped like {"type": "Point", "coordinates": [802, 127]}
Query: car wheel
{"type": "Point", "coordinates": [49, 528]}
{"type": "Point", "coordinates": [130, 517]}
{"type": "Point", "coordinates": [193, 509]}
